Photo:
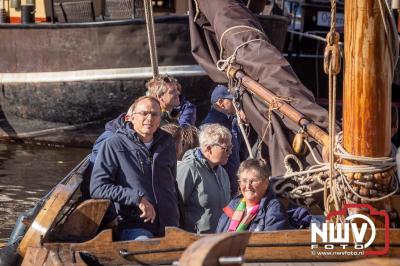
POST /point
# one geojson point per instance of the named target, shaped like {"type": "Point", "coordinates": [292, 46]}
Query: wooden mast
{"type": "Point", "coordinates": [367, 84]}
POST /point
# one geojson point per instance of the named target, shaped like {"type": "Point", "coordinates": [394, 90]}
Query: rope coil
{"type": "Point", "coordinates": [338, 183]}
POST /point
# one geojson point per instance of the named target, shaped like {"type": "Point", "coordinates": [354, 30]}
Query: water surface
{"type": "Point", "coordinates": [27, 173]}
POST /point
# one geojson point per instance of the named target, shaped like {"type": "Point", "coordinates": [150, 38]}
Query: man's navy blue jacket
{"type": "Point", "coordinates": [271, 215]}
{"type": "Point", "coordinates": [125, 171]}
{"type": "Point", "coordinates": [110, 128]}
{"type": "Point", "coordinates": [231, 167]}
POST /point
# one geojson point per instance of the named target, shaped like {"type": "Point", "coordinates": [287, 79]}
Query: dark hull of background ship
{"type": "Point", "coordinates": [68, 74]}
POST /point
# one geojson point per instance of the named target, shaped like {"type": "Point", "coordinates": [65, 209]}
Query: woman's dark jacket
{"type": "Point", "coordinates": [125, 171]}
{"type": "Point", "coordinates": [271, 215]}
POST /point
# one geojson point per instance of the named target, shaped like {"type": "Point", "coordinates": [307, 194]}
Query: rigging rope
{"type": "Point", "coordinates": [339, 185]}
{"type": "Point", "coordinates": [148, 10]}
{"type": "Point", "coordinates": [331, 175]}
{"type": "Point", "coordinates": [332, 68]}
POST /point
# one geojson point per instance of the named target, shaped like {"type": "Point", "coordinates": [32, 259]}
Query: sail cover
{"type": "Point", "coordinates": [209, 21]}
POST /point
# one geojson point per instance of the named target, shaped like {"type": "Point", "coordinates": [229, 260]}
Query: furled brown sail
{"type": "Point", "coordinates": [209, 21]}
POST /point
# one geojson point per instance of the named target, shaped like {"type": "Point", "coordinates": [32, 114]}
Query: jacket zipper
{"type": "Point", "coordinates": [152, 179]}
{"type": "Point", "coordinates": [150, 159]}
{"type": "Point", "coordinates": [141, 162]}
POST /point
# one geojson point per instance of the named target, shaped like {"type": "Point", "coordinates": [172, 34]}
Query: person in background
{"type": "Point", "coordinates": [222, 112]}
{"type": "Point", "coordinates": [190, 139]}
{"type": "Point", "coordinates": [176, 132]}
{"type": "Point", "coordinates": [202, 182]}
{"type": "Point", "coordinates": [256, 208]}
{"type": "Point", "coordinates": [136, 168]}
{"type": "Point", "coordinates": [168, 91]}
{"type": "Point", "coordinates": [186, 110]}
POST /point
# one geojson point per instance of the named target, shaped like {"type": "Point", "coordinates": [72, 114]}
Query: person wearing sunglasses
{"type": "Point", "coordinates": [135, 168]}
{"type": "Point", "coordinates": [202, 182]}
{"type": "Point", "coordinates": [256, 208]}
{"type": "Point", "coordinates": [175, 108]}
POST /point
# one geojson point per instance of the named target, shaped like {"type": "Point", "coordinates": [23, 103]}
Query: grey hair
{"type": "Point", "coordinates": [211, 134]}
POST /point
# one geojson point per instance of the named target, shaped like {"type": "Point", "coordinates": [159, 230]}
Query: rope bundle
{"type": "Point", "coordinates": [343, 185]}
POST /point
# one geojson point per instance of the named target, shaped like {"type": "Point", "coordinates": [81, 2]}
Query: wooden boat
{"type": "Point", "coordinates": [54, 75]}
{"type": "Point", "coordinates": [54, 238]}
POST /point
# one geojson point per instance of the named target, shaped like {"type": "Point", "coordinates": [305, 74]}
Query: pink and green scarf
{"type": "Point", "coordinates": [240, 221]}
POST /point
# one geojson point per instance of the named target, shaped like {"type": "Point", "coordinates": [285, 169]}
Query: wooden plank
{"type": "Point", "coordinates": [47, 215]}
{"type": "Point", "coordinates": [90, 214]}
{"type": "Point", "coordinates": [35, 256]}
{"type": "Point", "coordinates": [287, 245]}
{"type": "Point", "coordinates": [208, 250]}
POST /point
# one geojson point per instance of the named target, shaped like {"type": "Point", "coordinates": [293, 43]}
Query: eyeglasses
{"type": "Point", "coordinates": [147, 113]}
{"type": "Point", "coordinates": [226, 149]}
{"type": "Point", "coordinates": [254, 181]}
{"type": "Point", "coordinates": [168, 79]}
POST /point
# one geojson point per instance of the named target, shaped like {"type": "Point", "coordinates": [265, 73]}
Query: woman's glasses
{"type": "Point", "coordinates": [252, 182]}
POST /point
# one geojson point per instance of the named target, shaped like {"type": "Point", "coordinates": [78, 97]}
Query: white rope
{"type": "Point", "coordinates": [223, 64]}
{"type": "Point", "coordinates": [305, 177]}
{"type": "Point", "coordinates": [240, 124]}
{"type": "Point", "coordinates": [369, 164]}
{"type": "Point", "coordinates": [391, 34]}
{"type": "Point", "coordinates": [196, 16]}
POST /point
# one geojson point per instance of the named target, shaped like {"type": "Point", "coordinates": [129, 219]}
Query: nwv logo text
{"type": "Point", "coordinates": [332, 235]}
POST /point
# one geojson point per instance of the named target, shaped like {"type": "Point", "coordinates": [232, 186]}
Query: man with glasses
{"type": "Point", "coordinates": [202, 182]}
{"type": "Point", "coordinates": [222, 112]}
{"type": "Point", "coordinates": [135, 168]}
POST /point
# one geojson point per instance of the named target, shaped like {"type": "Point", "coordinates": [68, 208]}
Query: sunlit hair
{"type": "Point", "coordinates": [157, 86]}
{"type": "Point", "coordinates": [138, 100]}
{"type": "Point", "coordinates": [212, 134]}
{"type": "Point", "coordinates": [190, 138]}
{"type": "Point", "coordinates": [256, 165]}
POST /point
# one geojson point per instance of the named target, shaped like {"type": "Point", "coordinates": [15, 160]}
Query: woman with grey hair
{"type": "Point", "coordinates": [203, 182]}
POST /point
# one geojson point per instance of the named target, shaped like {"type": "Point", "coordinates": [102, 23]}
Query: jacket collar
{"type": "Point", "coordinates": [221, 114]}
{"type": "Point", "coordinates": [200, 157]}
{"type": "Point", "coordinates": [269, 195]}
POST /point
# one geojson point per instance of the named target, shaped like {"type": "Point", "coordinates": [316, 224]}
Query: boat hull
{"type": "Point", "coordinates": [83, 72]}
{"type": "Point", "coordinates": [276, 246]}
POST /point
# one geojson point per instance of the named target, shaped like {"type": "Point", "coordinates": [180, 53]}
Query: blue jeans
{"type": "Point", "coordinates": [134, 234]}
